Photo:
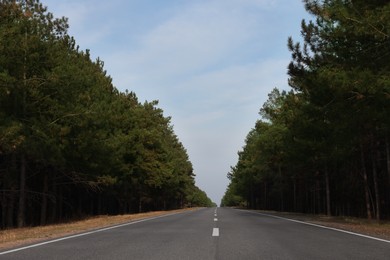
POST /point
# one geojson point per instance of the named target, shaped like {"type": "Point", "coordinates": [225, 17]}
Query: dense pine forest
{"type": "Point", "coordinates": [71, 144]}
{"type": "Point", "coordinates": [323, 147]}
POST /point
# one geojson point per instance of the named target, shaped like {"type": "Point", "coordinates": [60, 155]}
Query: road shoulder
{"type": "Point", "coordinates": [379, 230]}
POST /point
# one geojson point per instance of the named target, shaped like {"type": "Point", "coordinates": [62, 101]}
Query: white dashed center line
{"type": "Point", "coordinates": [215, 230]}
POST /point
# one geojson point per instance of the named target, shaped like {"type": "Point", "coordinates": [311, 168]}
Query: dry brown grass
{"type": "Point", "coordinates": [16, 237]}
{"type": "Point", "coordinates": [362, 226]}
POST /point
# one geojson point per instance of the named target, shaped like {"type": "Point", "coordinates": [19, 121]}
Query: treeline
{"type": "Point", "coordinates": [71, 144]}
{"type": "Point", "coordinates": [324, 146]}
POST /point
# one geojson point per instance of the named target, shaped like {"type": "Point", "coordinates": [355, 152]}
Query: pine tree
{"type": "Point", "coordinates": [341, 70]}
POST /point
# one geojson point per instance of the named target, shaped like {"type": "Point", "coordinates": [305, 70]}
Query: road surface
{"type": "Point", "coordinates": [210, 233]}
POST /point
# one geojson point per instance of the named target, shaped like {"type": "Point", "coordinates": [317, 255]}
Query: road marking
{"type": "Point", "coordinates": [215, 232]}
{"type": "Point", "coordinates": [86, 233]}
{"type": "Point", "coordinates": [324, 227]}
{"type": "Point", "coordinates": [215, 219]}
{"type": "Point", "coordinates": [215, 214]}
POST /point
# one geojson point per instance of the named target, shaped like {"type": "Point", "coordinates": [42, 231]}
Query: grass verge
{"type": "Point", "coordinates": [372, 228]}
{"type": "Point", "coordinates": [11, 238]}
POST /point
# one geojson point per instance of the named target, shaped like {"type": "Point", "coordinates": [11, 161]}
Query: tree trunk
{"type": "Point", "coordinates": [388, 157]}
{"type": "Point", "coordinates": [59, 214]}
{"type": "Point", "coordinates": [21, 218]}
{"type": "Point", "coordinates": [22, 193]}
{"type": "Point", "coordinates": [366, 185]}
{"type": "Point", "coordinates": [327, 187]}
{"type": "Point", "coordinates": [11, 208]}
{"type": "Point", "coordinates": [377, 196]}
{"type": "Point", "coordinates": [295, 195]}
{"type": "Point", "coordinates": [99, 204]}
{"type": "Point", "coordinates": [53, 211]}
{"type": "Point", "coordinates": [44, 199]}
{"type": "Point", "coordinates": [281, 188]}
{"type": "Point", "coordinates": [7, 200]}
{"type": "Point", "coordinates": [4, 201]}
{"type": "Point", "coordinates": [265, 195]}
{"type": "Point", "coordinates": [252, 197]}
{"type": "Point", "coordinates": [7, 207]}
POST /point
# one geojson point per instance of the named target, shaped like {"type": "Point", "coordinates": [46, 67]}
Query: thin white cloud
{"type": "Point", "coordinates": [89, 20]}
{"type": "Point", "coordinates": [200, 36]}
{"type": "Point", "coordinates": [202, 42]}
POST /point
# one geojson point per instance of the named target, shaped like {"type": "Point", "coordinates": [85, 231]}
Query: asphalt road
{"type": "Point", "coordinates": [210, 234]}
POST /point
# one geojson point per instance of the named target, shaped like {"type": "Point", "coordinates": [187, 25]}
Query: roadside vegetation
{"type": "Point", "coordinates": [15, 237]}
{"type": "Point", "coordinates": [71, 144]}
{"type": "Point", "coordinates": [323, 147]}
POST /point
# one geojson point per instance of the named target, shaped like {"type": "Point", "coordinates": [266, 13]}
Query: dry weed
{"type": "Point", "coordinates": [16, 237]}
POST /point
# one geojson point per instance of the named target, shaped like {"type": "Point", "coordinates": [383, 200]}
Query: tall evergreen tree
{"type": "Point", "coordinates": [343, 67]}
{"type": "Point", "coordinates": [70, 143]}
{"type": "Point", "coordinates": [331, 131]}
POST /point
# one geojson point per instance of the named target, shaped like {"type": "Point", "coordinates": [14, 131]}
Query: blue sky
{"type": "Point", "coordinates": [210, 63]}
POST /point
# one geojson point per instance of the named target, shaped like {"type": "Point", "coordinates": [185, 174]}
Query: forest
{"type": "Point", "coordinates": [71, 144]}
{"type": "Point", "coordinates": [323, 145]}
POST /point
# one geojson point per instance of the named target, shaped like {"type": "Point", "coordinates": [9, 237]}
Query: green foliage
{"type": "Point", "coordinates": [231, 198]}
{"type": "Point", "coordinates": [198, 198]}
{"type": "Point", "coordinates": [324, 146]}
{"type": "Point", "coordinates": [70, 143]}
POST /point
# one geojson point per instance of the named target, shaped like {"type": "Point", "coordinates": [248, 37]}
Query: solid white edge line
{"type": "Point", "coordinates": [215, 232]}
{"type": "Point", "coordinates": [320, 226]}
{"type": "Point", "coordinates": [86, 233]}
